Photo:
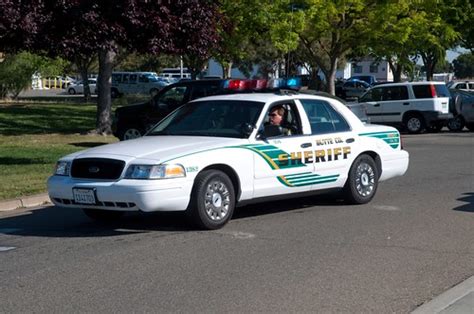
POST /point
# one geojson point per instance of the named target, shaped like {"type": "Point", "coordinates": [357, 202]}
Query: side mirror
{"type": "Point", "coordinates": [247, 129]}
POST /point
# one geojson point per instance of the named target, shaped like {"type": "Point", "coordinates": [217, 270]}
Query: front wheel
{"type": "Point", "coordinates": [212, 200]}
{"type": "Point", "coordinates": [362, 181]}
{"type": "Point", "coordinates": [71, 91]}
{"type": "Point", "coordinates": [102, 215]}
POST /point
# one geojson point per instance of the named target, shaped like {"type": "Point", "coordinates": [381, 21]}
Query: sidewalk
{"type": "Point", "coordinates": [457, 300]}
{"type": "Point", "coordinates": [26, 201]}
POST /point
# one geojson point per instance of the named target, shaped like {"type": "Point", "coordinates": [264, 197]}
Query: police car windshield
{"type": "Point", "coordinates": [219, 118]}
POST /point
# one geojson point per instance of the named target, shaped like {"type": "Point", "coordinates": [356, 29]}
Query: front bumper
{"type": "Point", "coordinates": [124, 195]}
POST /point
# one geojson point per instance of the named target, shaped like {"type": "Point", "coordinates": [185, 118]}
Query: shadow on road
{"type": "Point", "coordinates": [60, 222]}
{"type": "Point", "coordinates": [469, 199]}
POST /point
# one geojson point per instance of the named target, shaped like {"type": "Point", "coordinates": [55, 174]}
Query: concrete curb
{"type": "Point", "coordinates": [26, 201]}
{"type": "Point", "coordinates": [459, 299]}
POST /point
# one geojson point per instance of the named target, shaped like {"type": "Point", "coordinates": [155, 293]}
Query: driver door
{"type": "Point", "coordinates": [280, 166]}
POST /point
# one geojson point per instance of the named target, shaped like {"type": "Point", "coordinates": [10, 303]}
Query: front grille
{"type": "Point", "coordinates": [97, 168]}
{"type": "Point", "coordinates": [66, 201]}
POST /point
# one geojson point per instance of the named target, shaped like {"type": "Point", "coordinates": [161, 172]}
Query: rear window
{"type": "Point", "coordinates": [424, 91]}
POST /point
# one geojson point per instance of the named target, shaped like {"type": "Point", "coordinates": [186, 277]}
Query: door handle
{"type": "Point", "coordinates": [350, 140]}
{"type": "Point", "coordinates": [304, 145]}
{"type": "Point", "coordinates": [376, 105]}
{"type": "Point", "coordinates": [406, 103]}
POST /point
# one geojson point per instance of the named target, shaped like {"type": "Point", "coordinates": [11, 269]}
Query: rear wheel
{"type": "Point", "coordinates": [362, 182]}
{"type": "Point", "coordinates": [130, 133]}
{"type": "Point", "coordinates": [415, 123]}
{"type": "Point", "coordinates": [212, 200]}
{"type": "Point", "coordinates": [71, 91]}
{"type": "Point", "coordinates": [456, 124]}
{"type": "Point", "coordinates": [102, 215]}
{"type": "Point", "coordinates": [153, 92]}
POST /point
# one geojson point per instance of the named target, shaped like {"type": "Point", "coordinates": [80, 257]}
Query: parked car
{"type": "Point", "coordinates": [463, 110]}
{"type": "Point", "coordinates": [465, 86]}
{"type": "Point", "coordinates": [134, 120]}
{"type": "Point", "coordinates": [217, 153]}
{"type": "Point", "coordinates": [369, 79]}
{"type": "Point", "coordinates": [136, 83]}
{"type": "Point", "coordinates": [78, 87]}
{"type": "Point", "coordinates": [413, 105]}
{"type": "Point", "coordinates": [352, 89]}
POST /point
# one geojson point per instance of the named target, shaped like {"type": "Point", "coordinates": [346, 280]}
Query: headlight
{"type": "Point", "coordinates": [62, 168]}
{"type": "Point", "coordinates": [155, 172]}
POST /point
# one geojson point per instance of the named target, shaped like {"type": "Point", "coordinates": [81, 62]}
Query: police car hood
{"type": "Point", "coordinates": [156, 148]}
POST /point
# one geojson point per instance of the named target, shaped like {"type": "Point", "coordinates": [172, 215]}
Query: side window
{"type": "Point", "coordinates": [133, 79]}
{"type": "Point", "coordinates": [323, 117]}
{"type": "Point", "coordinates": [471, 85]}
{"type": "Point", "coordinates": [125, 78]}
{"type": "Point", "coordinates": [286, 116]}
{"type": "Point", "coordinates": [374, 94]}
{"type": "Point", "coordinates": [173, 98]}
{"type": "Point", "coordinates": [461, 86]}
{"type": "Point", "coordinates": [116, 78]}
{"type": "Point", "coordinates": [422, 91]}
{"type": "Point", "coordinates": [395, 93]}
{"type": "Point", "coordinates": [203, 91]}
{"type": "Point", "coordinates": [143, 79]}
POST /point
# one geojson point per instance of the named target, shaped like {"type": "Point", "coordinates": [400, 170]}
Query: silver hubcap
{"type": "Point", "coordinates": [131, 134]}
{"type": "Point", "coordinates": [217, 200]}
{"type": "Point", "coordinates": [365, 179]}
{"type": "Point", "coordinates": [414, 124]}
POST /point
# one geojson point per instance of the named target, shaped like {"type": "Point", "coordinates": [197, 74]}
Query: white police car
{"type": "Point", "coordinates": [219, 152]}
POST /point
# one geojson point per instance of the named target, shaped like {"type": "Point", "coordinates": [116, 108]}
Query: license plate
{"type": "Point", "coordinates": [84, 196]}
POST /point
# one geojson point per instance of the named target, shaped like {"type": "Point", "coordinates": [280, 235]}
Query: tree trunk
{"type": "Point", "coordinates": [396, 70]}
{"type": "Point", "coordinates": [104, 102]}
{"type": "Point", "coordinates": [331, 77]}
{"type": "Point", "coordinates": [85, 82]}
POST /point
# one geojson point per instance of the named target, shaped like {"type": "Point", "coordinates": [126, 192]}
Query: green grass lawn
{"type": "Point", "coordinates": [34, 136]}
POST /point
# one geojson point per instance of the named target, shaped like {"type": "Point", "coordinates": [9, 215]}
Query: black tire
{"type": "Point", "coordinates": [71, 91]}
{"type": "Point", "coordinates": [212, 200]}
{"type": "Point", "coordinates": [362, 181]}
{"type": "Point", "coordinates": [414, 123]}
{"type": "Point", "coordinates": [103, 215]}
{"type": "Point", "coordinates": [456, 124]}
{"type": "Point", "coordinates": [131, 133]}
{"type": "Point", "coordinates": [114, 93]}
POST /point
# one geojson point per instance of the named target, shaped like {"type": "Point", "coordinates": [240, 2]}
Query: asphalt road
{"type": "Point", "coordinates": [411, 243]}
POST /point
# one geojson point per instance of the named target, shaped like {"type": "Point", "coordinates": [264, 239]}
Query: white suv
{"type": "Point", "coordinates": [414, 105]}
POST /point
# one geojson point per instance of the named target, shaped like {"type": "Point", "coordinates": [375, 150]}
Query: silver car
{"type": "Point", "coordinates": [463, 110]}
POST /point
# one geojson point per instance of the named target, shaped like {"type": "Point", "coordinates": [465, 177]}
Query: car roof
{"type": "Point", "coordinates": [410, 83]}
{"type": "Point", "coordinates": [264, 96]}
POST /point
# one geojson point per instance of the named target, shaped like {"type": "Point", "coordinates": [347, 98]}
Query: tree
{"type": "Point", "coordinates": [328, 30]}
{"type": "Point", "coordinates": [464, 66]}
{"type": "Point", "coordinates": [154, 26]}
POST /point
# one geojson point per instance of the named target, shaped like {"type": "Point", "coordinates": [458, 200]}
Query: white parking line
{"type": "Point", "coordinates": [386, 207]}
{"type": "Point", "coordinates": [6, 248]}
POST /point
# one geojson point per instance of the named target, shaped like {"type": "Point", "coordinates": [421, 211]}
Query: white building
{"type": "Point", "coordinates": [380, 69]}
